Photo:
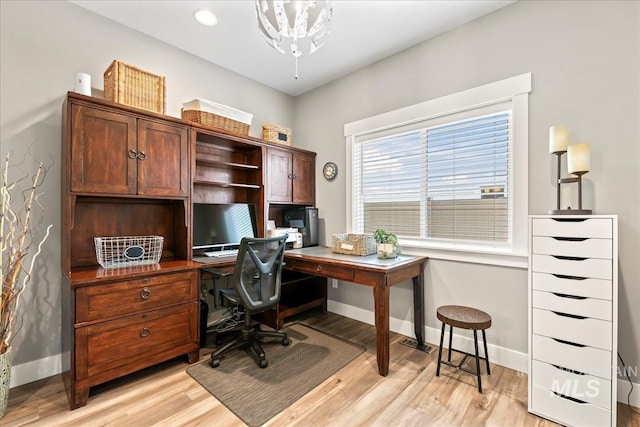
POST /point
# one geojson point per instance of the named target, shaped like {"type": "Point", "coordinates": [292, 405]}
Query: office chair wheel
{"type": "Point", "coordinates": [263, 363]}
{"type": "Point", "coordinates": [285, 342]}
{"type": "Point", "coordinates": [215, 363]}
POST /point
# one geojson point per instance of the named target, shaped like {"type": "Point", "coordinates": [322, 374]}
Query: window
{"type": "Point", "coordinates": [446, 175]}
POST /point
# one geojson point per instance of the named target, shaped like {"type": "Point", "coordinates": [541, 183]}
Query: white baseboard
{"type": "Point", "coordinates": [499, 355]}
{"type": "Point", "coordinates": [35, 370]}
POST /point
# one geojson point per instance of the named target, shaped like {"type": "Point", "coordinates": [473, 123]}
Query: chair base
{"type": "Point", "coordinates": [249, 336]}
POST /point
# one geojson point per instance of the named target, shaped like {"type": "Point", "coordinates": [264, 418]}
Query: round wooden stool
{"type": "Point", "coordinates": [464, 318]}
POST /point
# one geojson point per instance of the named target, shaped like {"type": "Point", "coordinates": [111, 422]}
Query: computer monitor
{"type": "Point", "coordinates": [221, 225]}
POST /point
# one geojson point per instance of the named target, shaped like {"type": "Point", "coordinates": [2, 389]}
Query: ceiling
{"type": "Point", "coordinates": [363, 32]}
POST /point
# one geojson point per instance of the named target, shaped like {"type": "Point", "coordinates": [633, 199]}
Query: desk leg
{"type": "Point", "coordinates": [381, 306]}
{"type": "Point", "coordinates": [418, 311]}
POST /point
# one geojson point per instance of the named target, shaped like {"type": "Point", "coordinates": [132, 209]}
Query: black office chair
{"type": "Point", "coordinates": [256, 286]}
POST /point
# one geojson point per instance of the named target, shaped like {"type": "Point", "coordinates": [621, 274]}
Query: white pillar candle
{"type": "Point", "coordinates": [558, 139]}
{"type": "Point", "coordinates": [578, 159]}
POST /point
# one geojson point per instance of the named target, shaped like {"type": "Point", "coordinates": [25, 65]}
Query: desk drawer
{"type": "Point", "coordinates": [320, 269]}
{"type": "Point", "coordinates": [588, 248]}
{"type": "Point", "coordinates": [580, 306]}
{"type": "Point", "coordinates": [564, 227]}
{"type": "Point", "coordinates": [589, 360]}
{"type": "Point", "coordinates": [110, 300]}
{"type": "Point", "coordinates": [587, 331]}
{"type": "Point", "coordinates": [135, 340]}
{"type": "Point", "coordinates": [568, 412]}
{"type": "Point", "coordinates": [581, 267]}
{"type": "Point", "coordinates": [573, 285]}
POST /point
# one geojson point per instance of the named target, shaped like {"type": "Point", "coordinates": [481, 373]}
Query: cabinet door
{"type": "Point", "coordinates": [279, 166]}
{"type": "Point", "coordinates": [101, 144]}
{"type": "Point", "coordinates": [304, 178]}
{"type": "Point", "coordinates": [163, 160]}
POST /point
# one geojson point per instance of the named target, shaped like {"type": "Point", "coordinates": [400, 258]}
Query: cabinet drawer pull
{"type": "Point", "coordinates": [145, 332]}
{"type": "Point", "coordinates": [570, 239]}
{"type": "Point", "coordinates": [142, 155]}
{"type": "Point", "coordinates": [319, 268]}
{"type": "Point", "coordinates": [573, 316]}
{"type": "Point", "coordinates": [563, 276]}
{"type": "Point", "coordinates": [568, 296]}
{"type": "Point", "coordinates": [569, 219]}
{"type": "Point", "coordinates": [145, 294]}
{"type": "Point", "coordinates": [571, 371]}
{"type": "Point", "coordinates": [290, 176]}
{"type": "Point", "coordinates": [132, 154]}
{"type": "Point", "coordinates": [568, 342]}
{"type": "Point", "coordinates": [569, 258]}
{"type": "Point", "coordinates": [573, 399]}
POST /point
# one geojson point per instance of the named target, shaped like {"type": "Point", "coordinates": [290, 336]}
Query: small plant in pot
{"type": "Point", "coordinates": [387, 244]}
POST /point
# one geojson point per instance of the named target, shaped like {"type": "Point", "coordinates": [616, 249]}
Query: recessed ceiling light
{"type": "Point", "coordinates": [205, 17]}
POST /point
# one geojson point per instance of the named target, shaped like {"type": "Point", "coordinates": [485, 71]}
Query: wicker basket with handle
{"type": "Point", "coordinates": [129, 85]}
{"type": "Point", "coordinates": [353, 244]}
{"type": "Point", "coordinates": [278, 134]}
{"type": "Point", "coordinates": [216, 121]}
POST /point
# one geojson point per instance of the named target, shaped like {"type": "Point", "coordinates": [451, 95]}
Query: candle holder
{"type": "Point", "coordinates": [560, 181]}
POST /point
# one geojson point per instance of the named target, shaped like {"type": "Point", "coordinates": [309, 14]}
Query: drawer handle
{"type": "Point", "coordinates": [563, 276]}
{"type": "Point", "coordinates": [573, 399]}
{"type": "Point", "coordinates": [569, 258]}
{"type": "Point", "coordinates": [145, 294]}
{"type": "Point", "coordinates": [569, 219]}
{"type": "Point", "coordinates": [132, 154]}
{"type": "Point", "coordinates": [568, 296]}
{"type": "Point", "coordinates": [571, 239]}
{"type": "Point", "coordinates": [145, 332]}
{"type": "Point", "coordinates": [573, 316]}
{"type": "Point", "coordinates": [568, 342]}
{"type": "Point", "coordinates": [571, 371]}
{"type": "Point", "coordinates": [318, 268]}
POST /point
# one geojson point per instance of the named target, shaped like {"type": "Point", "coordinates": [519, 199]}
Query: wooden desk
{"type": "Point", "coordinates": [380, 274]}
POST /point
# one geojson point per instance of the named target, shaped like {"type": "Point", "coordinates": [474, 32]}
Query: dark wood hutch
{"type": "Point", "coordinates": [131, 172]}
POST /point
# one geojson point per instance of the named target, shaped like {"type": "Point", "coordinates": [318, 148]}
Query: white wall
{"type": "Point", "coordinates": [584, 60]}
{"type": "Point", "coordinates": [44, 44]}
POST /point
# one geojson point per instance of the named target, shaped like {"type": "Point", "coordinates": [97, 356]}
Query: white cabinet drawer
{"type": "Point", "coordinates": [588, 248]}
{"type": "Point", "coordinates": [564, 227]}
{"type": "Point", "coordinates": [585, 359]}
{"type": "Point", "coordinates": [581, 267]}
{"type": "Point", "coordinates": [587, 331]}
{"type": "Point", "coordinates": [572, 285]}
{"type": "Point", "coordinates": [580, 306]}
{"type": "Point", "coordinates": [568, 412]}
{"type": "Point", "coordinates": [588, 388]}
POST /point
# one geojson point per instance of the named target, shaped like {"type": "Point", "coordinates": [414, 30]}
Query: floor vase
{"type": "Point", "coordinates": [5, 373]}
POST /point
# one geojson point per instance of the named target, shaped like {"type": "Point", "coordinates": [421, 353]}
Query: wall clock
{"type": "Point", "coordinates": [330, 171]}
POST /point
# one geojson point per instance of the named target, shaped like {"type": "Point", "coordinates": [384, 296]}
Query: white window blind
{"type": "Point", "coordinates": [446, 179]}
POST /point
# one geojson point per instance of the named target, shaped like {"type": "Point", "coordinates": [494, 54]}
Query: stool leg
{"type": "Point", "coordinates": [440, 350]}
{"type": "Point", "coordinates": [475, 340]}
{"type": "Point", "coordinates": [486, 354]}
{"type": "Point", "coordinates": [450, 339]}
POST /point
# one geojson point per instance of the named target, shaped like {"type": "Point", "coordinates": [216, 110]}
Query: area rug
{"type": "Point", "coordinates": [256, 395]}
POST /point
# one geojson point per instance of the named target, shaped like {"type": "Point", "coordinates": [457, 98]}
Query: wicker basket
{"type": "Point", "coordinates": [125, 251]}
{"type": "Point", "coordinates": [353, 244]}
{"type": "Point", "coordinates": [216, 121]}
{"type": "Point", "coordinates": [129, 85]}
{"type": "Point", "coordinates": [278, 134]}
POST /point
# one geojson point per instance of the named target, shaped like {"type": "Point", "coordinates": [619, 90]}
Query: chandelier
{"type": "Point", "coordinates": [300, 24]}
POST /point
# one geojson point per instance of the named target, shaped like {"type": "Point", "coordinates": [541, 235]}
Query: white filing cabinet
{"type": "Point", "coordinates": [573, 318]}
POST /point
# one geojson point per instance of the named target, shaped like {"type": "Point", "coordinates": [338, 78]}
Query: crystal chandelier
{"type": "Point", "coordinates": [301, 24]}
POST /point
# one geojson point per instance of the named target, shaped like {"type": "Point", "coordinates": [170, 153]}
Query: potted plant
{"type": "Point", "coordinates": [19, 249]}
{"type": "Point", "coordinates": [387, 243]}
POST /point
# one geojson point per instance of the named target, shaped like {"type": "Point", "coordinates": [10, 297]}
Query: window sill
{"type": "Point", "coordinates": [463, 253]}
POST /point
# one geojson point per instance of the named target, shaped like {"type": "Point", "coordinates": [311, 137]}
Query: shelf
{"type": "Point", "coordinates": [226, 184]}
{"type": "Point", "coordinates": [229, 165]}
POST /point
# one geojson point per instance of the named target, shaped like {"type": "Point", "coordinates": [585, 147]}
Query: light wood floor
{"type": "Point", "coordinates": [411, 395]}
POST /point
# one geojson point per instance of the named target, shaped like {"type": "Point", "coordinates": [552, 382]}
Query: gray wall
{"type": "Point", "coordinates": [584, 60]}
{"type": "Point", "coordinates": [44, 45]}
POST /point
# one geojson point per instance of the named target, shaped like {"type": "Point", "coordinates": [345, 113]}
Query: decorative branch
{"type": "Point", "coordinates": [16, 239]}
